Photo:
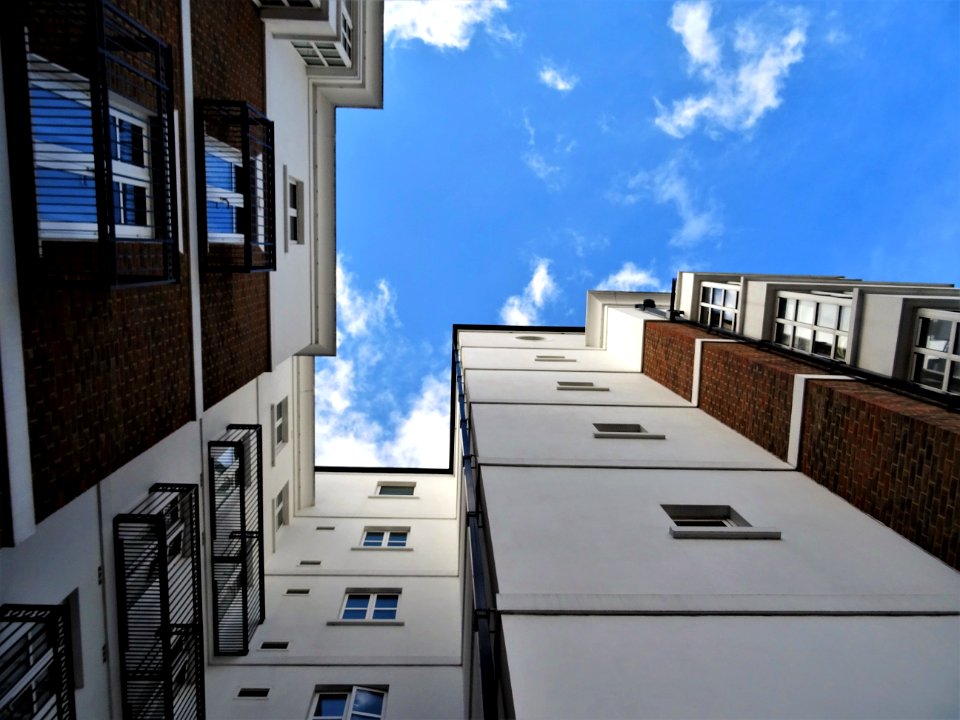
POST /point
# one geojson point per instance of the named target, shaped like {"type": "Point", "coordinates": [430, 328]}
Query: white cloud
{"type": "Point", "coordinates": [557, 79]}
{"type": "Point", "coordinates": [523, 309]}
{"type": "Point", "coordinates": [766, 45]}
{"type": "Point", "coordinates": [550, 174]}
{"type": "Point", "coordinates": [666, 185]}
{"type": "Point", "coordinates": [444, 23]}
{"type": "Point", "coordinates": [346, 433]}
{"type": "Point", "coordinates": [531, 130]}
{"type": "Point", "coordinates": [630, 278]}
{"type": "Point", "coordinates": [583, 244]}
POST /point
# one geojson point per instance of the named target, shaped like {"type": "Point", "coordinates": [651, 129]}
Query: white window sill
{"type": "Point", "coordinates": [629, 436]}
{"type": "Point", "coordinates": [725, 533]}
{"type": "Point", "coordinates": [378, 623]}
{"type": "Point", "coordinates": [390, 549]}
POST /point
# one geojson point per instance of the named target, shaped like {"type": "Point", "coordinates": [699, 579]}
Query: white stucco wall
{"type": "Point", "coordinates": [500, 358]}
{"type": "Point", "coordinates": [484, 386]}
{"type": "Point", "coordinates": [549, 340]}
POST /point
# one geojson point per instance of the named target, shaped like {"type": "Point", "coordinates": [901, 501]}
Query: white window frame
{"type": "Point", "coordinates": [842, 301]}
{"type": "Point", "coordinates": [950, 356]}
{"type": "Point", "coordinates": [280, 427]}
{"type": "Point", "coordinates": [387, 534]}
{"type": "Point", "coordinates": [281, 509]}
{"type": "Point", "coordinates": [725, 523]}
{"type": "Point", "coordinates": [372, 596]}
{"type": "Point", "coordinates": [394, 483]}
{"type": "Point", "coordinates": [51, 156]}
{"type": "Point", "coordinates": [350, 695]}
{"type": "Point", "coordinates": [229, 197]}
{"type": "Point", "coordinates": [293, 189]}
{"type": "Point", "coordinates": [719, 314]}
{"type": "Point", "coordinates": [624, 431]}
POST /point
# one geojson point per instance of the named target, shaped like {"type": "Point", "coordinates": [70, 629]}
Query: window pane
{"type": "Point", "coordinates": [954, 383]}
{"type": "Point", "coordinates": [704, 316]}
{"type": "Point", "coordinates": [716, 296]}
{"type": "Point", "coordinates": [841, 347]}
{"type": "Point", "coordinates": [784, 334]}
{"type": "Point", "coordinates": [705, 294]}
{"type": "Point", "coordinates": [730, 299]}
{"type": "Point", "coordinates": [787, 309]}
{"type": "Point", "coordinates": [844, 318]}
{"type": "Point", "coordinates": [928, 370]}
{"type": "Point", "coordinates": [803, 339]}
{"type": "Point", "coordinates": [396, 489]}
{"type": "Point", "coordinates": [373, 539]}
{"type": "Point", "coordinates": [728, 319]}
{"type": "Point", "coordinates": [806, 311]}
{"type": "Point", "coordinates": [330, 706]}
{"type": "Point", "coordinates": [387, 601]}
{"type": "Point", "coordinates": [827, 315]}
{"type": "Point", "coordinates": [397, 539]}
{"type": "Point", "coordinates": [714, 318]}
{"type": "Point", "coordinates": [823, 343]}
{"type": "Point", "coordinates": [935, 334]}
{"type": "Point", "coordinates": [367, 701]}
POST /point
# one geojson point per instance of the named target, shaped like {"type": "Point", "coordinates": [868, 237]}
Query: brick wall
{"type": "Point", "coordinates": [751, 391]}
{"type": "Point", "coordinates": [895, 458]}
{"type": "Point", "coordinates": [108, 372]}
{"type": "Point", "coordinates": [228, 63]}
{"type": "Point", "coordinates": [668, 355]}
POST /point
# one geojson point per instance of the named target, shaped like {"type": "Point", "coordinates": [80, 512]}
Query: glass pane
{"type": "Point", "coordinates": [827, 315]}
{"type": "Point", "coordinates": [367, 701]}
{"type": "Point", "coordinates": [704, 316]}
{"type": "Point", "coordinates": [714, 318]}
{"type": "Point", "coordinates": [355, 614]}
{"type": "Point", "coordinates": [803, 339]}
{"type": "Point", "coordinates": [953, 385]}
{"type": "Point", "coordinates": [806, 311]}
{"type": "Point", "coordinates": [330, 706]}
{"type": "Point", "coordinates": [358, 601]}
{"type": "Point", "coordinates": [823, 344]}
{"type": "Point", "coordinates": [373, 539]}
{"type": "Point", "coordinates": [397, 539]}
{"type": "Point", "coordinates": [730, 299]}
{"type": "Point", "coordinates": [841, 347]}
{"type": "Point", "coordinates": [717, 296]}
{"type": "Point", "coordinates": [844, 318]}
{"type": "Point", "coordinates": [787, 309]}
{"type": "Point", "coordinates": [784, 334]}
{"type": "Point", "coordinates": [705, 294]}
{"type": "Point", "coordinates": [387, 601]}
{"type": "Point", "coordinates": [935, 334]}
{"type": "Point", "coordinates": [929, 370]}
{"type": "Point", "coordinates": [396, 489]}
{"type": "Point", "coordinates": [728, 319]}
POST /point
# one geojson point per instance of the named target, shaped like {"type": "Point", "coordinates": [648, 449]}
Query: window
{"type": "Point", "coordinates": [578, 385]}
{"type": "Point", "coordinates": [624, 431]}
{"type": "Point", "coordinates": [720, 522]}
{"type": "Point", "coordinates": [349, 703]}
{"type": "Point", "coordinates": [97, 145]}
{"type": "Point", "coordinates": [370, 606]}
{"type": "Point", "coordinates": [235, 185]}
{"type": "Point", "coordinates": [815, 323]}
{"type": "Point", "coordinates": [274, 645]}
{"type": "Point", "coordinates": [385, 538]}
{"type": "Point", "coordinates": [253, 692]}
{"type": "Point", "coordinates": [280, 509]}
{"type": "Point", "coordinates": [295, 212]}
{"type": "Point", "coordinates": [395, 489]}
{"type": "Point", "coordinates": [553, 358]}
{"type": "Point", "coordinates": [719, 305]}
{"type": "Point", "coordinates": [297, 591]}
{"type": "Point", "coordinates": [281, 426]}
{"type": "Point", "coordinates": [936, 350]}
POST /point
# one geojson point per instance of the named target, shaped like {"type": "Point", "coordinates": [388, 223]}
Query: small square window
{"type": "Point", "coordinates": [714, 522]}
{"type": "Point", "coordinates": [370, 606]}
{"type": "Point", "coordinates": [281, 426]}
{"type": "Point", "coordinates": [274, 645]}
{"type": "Point", "coordinates": [625, 431]}
{"type": "Point", "coordinates": [253, 692]}
{"type": "Point", "coordinates": [280, 509]}
{"type": "Point", "coordinates": [296, 211]}
{"type": "Point", "coordinates": [348, 703]}
{"type": "Point", "coordinates": [396, 489]}
{"type": "Point", "coordinates": [297, 591]}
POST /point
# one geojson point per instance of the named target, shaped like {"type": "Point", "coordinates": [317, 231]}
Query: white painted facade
{"type": "Point", "coordinates": [605, 613]}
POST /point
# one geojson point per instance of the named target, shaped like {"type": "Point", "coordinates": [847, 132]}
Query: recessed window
{"type": "Point", "coordinates": [253, 692]}
{"type": "Point", "coordinates": [533, 338]}
{"type": "Point", "coordinates": [396, 489]}
{"type": "Point", "coordinates": [297, 591]}
{"type": "Point", "coordinates": [385, 538]}
{"type": "Point", "coordinates": [553, 358]}
{"type": "Point", "coordinates": [718, 522]}
{"type": "Point", "coordinates": [310, 563]}
{"type": "Point", "coordinates": [936, 351]}
{"type": "Point", "coordinates": [281, 510]}
{"type": "Point", "coordinates": [274, 645]}
{"type": "Point", "coordinates": [578, 385]}
{"type": "Point", "coordinates": [813, 323]}
{"type": "Point", "coordinates": [625, 431]}
{"type": "Point", "coordinates": [719, 304]}
{"type": "Point", "coordinates": [296, 212]}
{"type": "Point", "coordinates": [281, 426]}
{"type": "Point", "coordinates": [370, 606]}
{"type": "Point", "coordinates": [348, 703]}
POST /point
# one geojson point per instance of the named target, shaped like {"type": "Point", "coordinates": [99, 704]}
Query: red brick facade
{"type": "Point", "coordinates": [668, 355]}
{"type": "Point", "coordinates": [751, 391]}
{"type": "Point", "coordinates": [895, 458]}
{"type": "Point", "coordinates": [228, 57]}
{"type": "Point", "coordinates": [108, 372]}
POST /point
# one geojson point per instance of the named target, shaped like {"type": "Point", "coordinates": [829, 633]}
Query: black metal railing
{"type": "Point", "coordinates": [235, 187]}
{"type": "Point", "coordinates": [236, 502]}
{"type": "Point", "coordinates": [157, 553]}
{"type": "Point", "coordinates": [36, 662]}
{"type": "Point", "coordinates": [485, 617]}
{"type": "Point", "coordinates": [90, 123]}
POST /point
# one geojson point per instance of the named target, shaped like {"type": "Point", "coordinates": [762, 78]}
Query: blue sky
{"type": "Point", "coordinates": [530, 151]}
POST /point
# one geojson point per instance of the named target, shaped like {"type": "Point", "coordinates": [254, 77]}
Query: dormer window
{"type": "Point", "coordinates": [719, 305]}
{"type": "Point", "coordinates": [936, 351]}
{"type": "Point", "coordinates": [818, 324]}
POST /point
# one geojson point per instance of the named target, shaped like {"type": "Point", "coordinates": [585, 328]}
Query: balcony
{"type": "Point", "coordinates": [157, 553]}
{"type": "Point", "coordinates": [235, 186]}
{"type": "Point", "coordinates": [90, 129]}
{"type": "Point", "coordinates": [236, 501]}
